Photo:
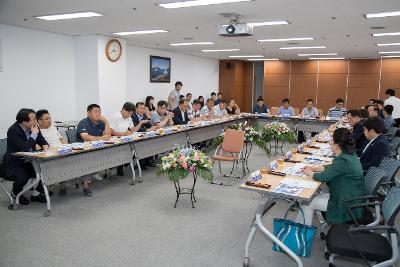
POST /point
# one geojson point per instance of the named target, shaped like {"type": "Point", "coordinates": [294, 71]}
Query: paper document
{"type": "Point", "coordinates": [288, 190]}
{"type": "Point", "coordinates": [299, 183]}
{"type": "Point", "coordinates": [296, 170]}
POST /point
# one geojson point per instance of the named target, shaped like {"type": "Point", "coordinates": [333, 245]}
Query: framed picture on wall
{"type": "Point", "coordinates": [160, 69]}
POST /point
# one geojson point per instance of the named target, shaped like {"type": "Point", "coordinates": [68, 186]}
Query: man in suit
{"type": "Point", "coordinates": [378, 146]}
{"type": "Point", "coordinates": [142, 123]}
{"type": "Point", "coordinates": [357, 123]}
{"type": "Point", "coordinates": [23, 136]}
{"type": "Point", "coordinates": [141, 120]}
{"type": "Point", "coordinates": [180, 113]}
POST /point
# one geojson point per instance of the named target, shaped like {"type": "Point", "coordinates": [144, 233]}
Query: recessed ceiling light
{"type": "Point", "coordinates": [268, 23]}
{"type": "Point", "coordinates": [386, 34]}
{"type": "Point", "coordinates": [389, 52]}
{"type": "Point", "coordinates": [310, 55]}
{"type": "Point", "coordinates": [390, 56]}
{"type": "Point", "coordinates": [263, 59]}
{"type": "Point", "coordinates": [139, 32]}
{"type": "Point", "coordinates": [326, 58]}
{"type": "Point", "coordinates": [382, 15]}
{"type": "Point", "coordinates": [77, 15]}
{"type": "Point", "coordinates": [220, 50]}
{"type": "Point", "coordinates": [248, 56]}
{"type": "Point", "coordinates": [192, 3]}
{"type": "Point", "coordinates": [287, 39]}
{"type": "Point", "coordinates": [388, 44]}
{"type": "Point", "coordinates": [195, 43]}
{"type": "Point", "coordinates": [377, 27]}
{"type": "Point", "coordinates": [302, 47]}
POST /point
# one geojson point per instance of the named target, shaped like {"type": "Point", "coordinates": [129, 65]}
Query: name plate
{"type": "Point", "coordinates": [64, 150]}
{"type": "Point", "coordinates": [126, 139]}
{"type": "Point", "coordinates": [289, 155]}
{"type": "Point", "coordinates": [255, 176]}
{"type": "Point", "coordinates": [97, 144]}
{"type": "Point", "coordinates": [273, 165]}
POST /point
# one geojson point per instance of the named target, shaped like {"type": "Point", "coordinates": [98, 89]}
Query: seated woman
{"type": "Point", "coordinates": [232, 108]}
{"type": "Point", "coordinates": [149, 106]}
{"type": "Point", "coordinates": [344, 178]}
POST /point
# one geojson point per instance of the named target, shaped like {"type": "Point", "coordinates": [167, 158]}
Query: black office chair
{"type": "Point", "coordinates": [394, 145]}
{"type": "Point", "coordinates": [391, 167]}
{"type": "Point", "coordinates": [71, 135]}
{"type": "Point", "coordinates": [3, 176]}
{"type": "Point", "coordinates": [375, 245]}
{"type": "Point", "coordinates": [391, 133]}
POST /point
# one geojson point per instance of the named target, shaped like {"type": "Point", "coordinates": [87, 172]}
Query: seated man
{"type": "Point", "coordinates": [121, 123]}
{"type": "Point", "coordinates": [141, 120]}
{"type": "Point", "coordinates": [285, 110]}
{"type": "Point", "coordinates": [161, 117]}
{"type": "Point", "coordinates": [23, 136]}
{"type": "Point", "coordinates": [220, 109]}
{"type": "Point", "coordinates": [260, 107]}
{"type": "Point", "coordinates": [379, 104]}
{"type": "Point", "coordinates": [196, 112]}
{"type": "Point", "coordinates": [52, 137]}
{"type": "Point", "coordinates": [338, 111]}
{"type": "Point", "coordinates": [373, 112]}
{"type": "Point", "coordinates": [357, 124]}
{"type": "Point", "coordinates": [378, 146]}
{"type": "Point", "coordinates": [387, 112]}
{"type": "Point", "coordinates": [208, 109]}
{"type": "Point", "coordinates": [93, 128]}
{"type": "Point", "coordinates": [180, 113]}
{"type": "Point", "coordinates": [310, 111]}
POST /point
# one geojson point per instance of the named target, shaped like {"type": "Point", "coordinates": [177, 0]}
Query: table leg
{"type": "Point", "coordinates": [47, 212]}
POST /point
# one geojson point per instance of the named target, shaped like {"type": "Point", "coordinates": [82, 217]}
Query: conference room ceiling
{"type": "Point", "coordinates": [337, 24]}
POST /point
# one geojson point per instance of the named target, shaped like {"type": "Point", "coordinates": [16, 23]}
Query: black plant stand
{"type": "Point", "coordinates": [185, 190]}
{"type": "Point", "coordinates": [248, 146]}
{"type": "Point", "coordinates": [275, 145]}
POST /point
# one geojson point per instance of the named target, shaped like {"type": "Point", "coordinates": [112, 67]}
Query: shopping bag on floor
{"type": "Point", "coordinates": [296, 236]}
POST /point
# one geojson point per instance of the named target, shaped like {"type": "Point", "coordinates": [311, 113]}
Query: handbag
{"type": "Point", "coordinates": [296, 236]}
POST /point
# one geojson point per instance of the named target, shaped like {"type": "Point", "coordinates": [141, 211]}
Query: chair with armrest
{"type": "Point", "coordinates": [376, 245]}
{"type": "Point", "coordinates": [230, 151]}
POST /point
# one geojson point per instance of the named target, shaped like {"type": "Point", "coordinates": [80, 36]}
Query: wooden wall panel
{"type": "Point", "coordinates": [277, 67]}
{"type": "Point", "coordinates": [364, 65]}
{"type": "Point", "coordinates": [358, 97]}
{"type": "Point", "coordinates": [236, 81]}
{"type": "Point", "coordinates": [359, 79]}
{"type": "Point", "coordinates": [333, 66]}
{"type": "Point", "coordinates": [304, 66]}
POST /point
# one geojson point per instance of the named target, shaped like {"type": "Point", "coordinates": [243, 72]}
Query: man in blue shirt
{"type": "Point", "coordinates": [93, 128]}
{"type": "Point", "coordinates": [387, 112]}
{"type": "Point", "coordinates": [260, 107]}
{"type": "Point", "coordinates": [286, 110]}
{"type": "Point", "coordinates": [338, 110]}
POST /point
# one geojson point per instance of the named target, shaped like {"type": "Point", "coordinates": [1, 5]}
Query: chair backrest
{"type": "Point", "coordinates": [394, 145]}
{"type": "Point", "coordinates": [274, 110]}
{"type": "Point", "coordinates": [372, 180]}
{"type": "Point", "coordinates": [71, 135]}
{"type": "Point", "coordinates": [233, 141]}
{"type": "Point", "coordinates": [391, 205]}
{"type": "Point", "coordinates": [391, 167]}
{"type": "Point", "coordinates": [320, 112]}
{"type": "Point", "coordinates": [296, 111]}
{"type": "Point", "coordinates": [3, 148]}
{"type": "Point", "coordinates": [391, 132]}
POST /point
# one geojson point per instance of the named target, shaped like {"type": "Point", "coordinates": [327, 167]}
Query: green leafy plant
{"type": "Point", "coordinates": [278, 131]}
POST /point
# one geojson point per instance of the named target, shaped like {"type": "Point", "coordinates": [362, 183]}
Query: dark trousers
{"type": "Point", "coordinates": [302, 138]}
{"type": "Point", "coordinates": [22, 175]}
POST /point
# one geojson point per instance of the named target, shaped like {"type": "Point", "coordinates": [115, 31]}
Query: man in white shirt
{"type": "Point", "coordinates": [52, 137]}
{"type": "Point", "coordinates": [196, 112]}
{"type": "Point", "coordinates": [121, 123]}
{"type": "Point", "coordinates": [189, 100]}
{"type": "Point", "coordinates": [394, 101]}
{"type": "Point", "coordinates": [173, 98]}
{"type": "Point", "coordinates": [220, 109]}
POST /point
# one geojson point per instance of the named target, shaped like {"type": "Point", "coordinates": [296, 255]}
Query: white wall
{"type": "Point", "coordinates": [64, 74]}
{"type": "Point", "coordinates": [38, 72]}
{"type": "Point", "coordinates": [200, 76]}
{"type": "Point", "coordinates": [112, 79]}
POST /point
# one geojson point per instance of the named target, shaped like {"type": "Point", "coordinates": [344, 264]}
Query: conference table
{"type": "Point", "coordinates": [52, 167]}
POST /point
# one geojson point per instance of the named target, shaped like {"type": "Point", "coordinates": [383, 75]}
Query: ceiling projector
{"type": "Point", "coordinates": [235, 30]}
